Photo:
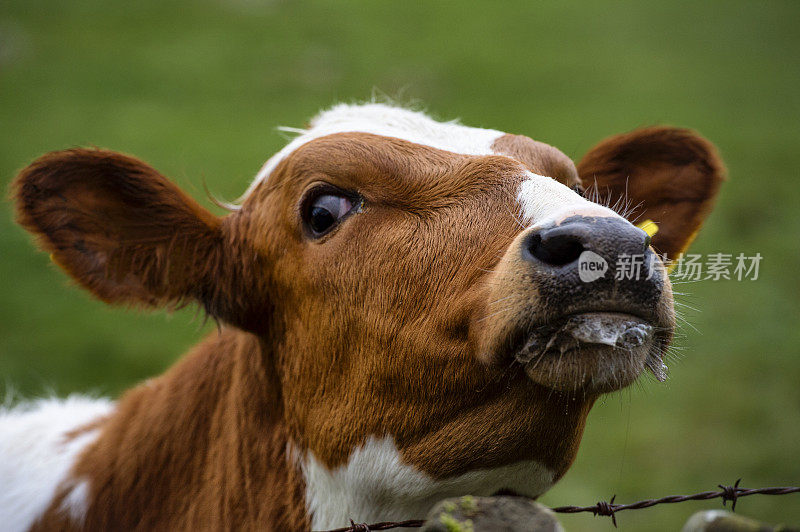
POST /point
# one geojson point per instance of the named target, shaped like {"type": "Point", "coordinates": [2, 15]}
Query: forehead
{"type": "Point", "coordinates": [418, 128]}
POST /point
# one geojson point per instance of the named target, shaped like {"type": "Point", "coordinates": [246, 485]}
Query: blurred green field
{"type": "Point", "coordinates": [197, 88]}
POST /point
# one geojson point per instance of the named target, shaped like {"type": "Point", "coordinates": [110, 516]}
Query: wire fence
{"type": "Point", "coordinates": [608, 508]}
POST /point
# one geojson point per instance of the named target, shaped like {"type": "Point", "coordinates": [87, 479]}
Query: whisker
{"type": "Point", "coordinates": [516, 219]}
{"type": "Point", "coordinates": [495, 313]}
{"type": "Point", "coordinates": [501, 299]}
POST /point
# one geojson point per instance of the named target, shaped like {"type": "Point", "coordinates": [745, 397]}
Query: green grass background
{"type": "Point", "coordinates": [196, 89]}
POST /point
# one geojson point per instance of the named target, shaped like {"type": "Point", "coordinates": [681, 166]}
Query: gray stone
{"type": "Point", "coordinates": [480, 514]}
{"type": "Point", "coordinates": [721, 521]}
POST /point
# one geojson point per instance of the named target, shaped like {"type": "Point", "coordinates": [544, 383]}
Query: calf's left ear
{"type": "Point", "coordinates": [668, 175]}
{"type": "Point", "coordinates": [127, 234]}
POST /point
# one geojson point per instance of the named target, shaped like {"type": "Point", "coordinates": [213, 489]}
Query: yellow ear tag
{"type": "Point", "coordinates": [649, 227]}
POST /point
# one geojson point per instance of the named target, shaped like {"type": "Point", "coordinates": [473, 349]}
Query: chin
{"type": "Point", "coordinates": [592, 352]}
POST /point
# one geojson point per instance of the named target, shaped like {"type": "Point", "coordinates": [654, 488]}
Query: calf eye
{"type": "Point", "coordinates": [324, 210]}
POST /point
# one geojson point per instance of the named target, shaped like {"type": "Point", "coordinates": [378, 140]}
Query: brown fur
{"type": "Point", "coordinates": [540, 158]}
{"type": "Point", "coordinates": [371, 330]}
{"type": "Point", "coordinates": [201, 447]}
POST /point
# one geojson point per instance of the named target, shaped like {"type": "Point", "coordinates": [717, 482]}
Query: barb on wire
{"type": "Point", "coordinates": [609, 509]}
{"type": "Point", "coordinates": [730, 494]}
{"type": "Point", "coordinates": [384, 525]}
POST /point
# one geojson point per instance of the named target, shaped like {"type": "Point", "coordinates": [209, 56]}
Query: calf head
{"type": "Point", "coordinates": [416, 286]}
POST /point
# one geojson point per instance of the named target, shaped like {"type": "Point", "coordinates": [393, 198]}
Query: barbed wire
{"type": "Point", "coordinates": [608, 508]}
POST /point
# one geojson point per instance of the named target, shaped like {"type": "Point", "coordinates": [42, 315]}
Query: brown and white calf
{"type": "Point", "coordinates": [402, 319]}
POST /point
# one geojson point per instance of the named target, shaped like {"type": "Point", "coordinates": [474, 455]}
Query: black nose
{"type": "Point", "coordinates": [561, 246]}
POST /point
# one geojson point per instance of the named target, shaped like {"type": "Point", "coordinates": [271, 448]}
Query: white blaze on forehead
{"type": "Point", "coordinates": [376, 485]}
{"type": "Point", "coordinates": [388, 121]}
{"type": "Point", "coordinates": [540, 197]}
{"type": "Point", "coordinates": [543, 200]}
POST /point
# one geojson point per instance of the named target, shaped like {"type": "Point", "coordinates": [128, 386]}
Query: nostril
{"type": "Point", "coordinates": [556, 250]}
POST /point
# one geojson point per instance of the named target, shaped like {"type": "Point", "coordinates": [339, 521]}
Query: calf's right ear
{"type": "Point", "coordinates": [669, 175]}
{"type": "Point", "coordinates": [126, 233]}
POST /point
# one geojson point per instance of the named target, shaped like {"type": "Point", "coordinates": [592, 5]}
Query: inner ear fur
{"type": "Point", "coordinates": [122, 230]}
{"type": "Point", "coordinates": [665, 174]}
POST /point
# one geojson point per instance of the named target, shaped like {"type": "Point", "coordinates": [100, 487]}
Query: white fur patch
{"type": "Point", "coordinates": [76, 501]}
{"type": "Point", "coordinates": [36, 458]}
{"type": "Point", "coordinates": [543, 200]}
{"type": "Point", "coordinates": [381, 119]}
{"type": "Point", "coordinates": [375, 485]}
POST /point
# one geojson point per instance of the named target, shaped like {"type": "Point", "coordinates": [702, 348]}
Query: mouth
{"type": "Point", "coordinates": [596, 352]}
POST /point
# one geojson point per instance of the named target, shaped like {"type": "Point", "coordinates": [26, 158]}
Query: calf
{"type": "Point", "coordinates": [401, 316]}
